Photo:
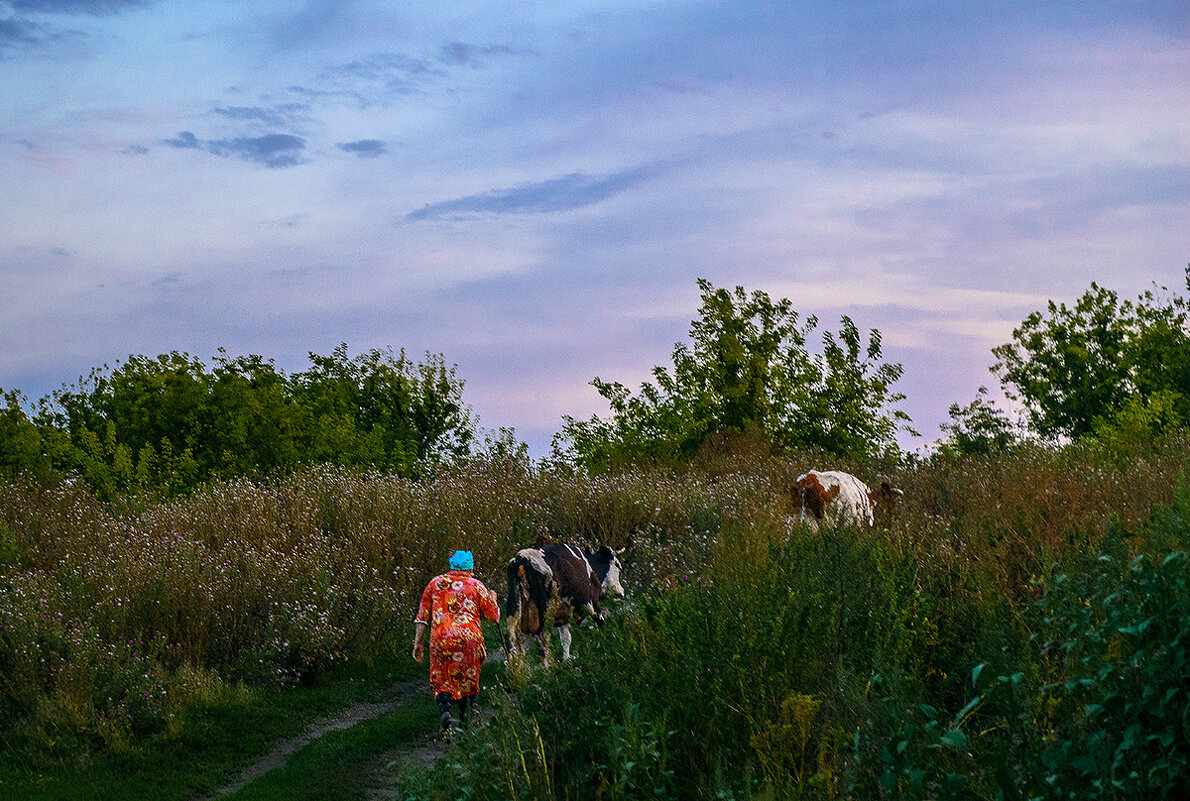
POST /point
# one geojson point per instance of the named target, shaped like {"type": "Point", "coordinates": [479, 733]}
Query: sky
{"type": "Point", "coordinates": [533, 189]}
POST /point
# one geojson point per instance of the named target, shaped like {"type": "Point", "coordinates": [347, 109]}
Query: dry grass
{"type": "Point", "coordinates": [111, 620]}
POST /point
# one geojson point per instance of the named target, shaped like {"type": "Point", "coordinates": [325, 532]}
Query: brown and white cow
{"type": "Point", "coordinates": [837, 498]}
{"type": "Point", "coordinates": [558, 581]}
{"type": "Point", "coordinates": [886, 499]}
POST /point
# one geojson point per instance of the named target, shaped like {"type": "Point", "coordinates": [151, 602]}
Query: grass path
{"type": "Point", "coordinates": [284, 753]}
{"type": "Point", "coordinates": [350, 764]}
{"type": "Point", "coordinates": [354, 755]}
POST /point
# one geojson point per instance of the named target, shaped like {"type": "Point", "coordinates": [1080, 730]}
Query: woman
{"type": "Point", "coordinates": [452, 605]}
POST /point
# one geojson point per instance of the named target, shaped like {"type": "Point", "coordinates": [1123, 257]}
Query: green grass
{"type": "Point", "coordinates": [333, 767]}
{"type": "Point", "coordinates": [210, 747]}
{"type": "Point", "coordinates": [337, 766]}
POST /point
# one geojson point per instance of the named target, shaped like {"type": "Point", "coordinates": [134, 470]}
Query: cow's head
{"type": "Point", "coordinates": [606, 564]}
{"type": "Point", "coordinates": [885, 497]}
{"type": "Point", "coordinates": [812, 497]}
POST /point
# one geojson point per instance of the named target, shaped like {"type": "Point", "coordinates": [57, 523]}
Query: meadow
{"type": "Point", "coordinates": [1018, 629]}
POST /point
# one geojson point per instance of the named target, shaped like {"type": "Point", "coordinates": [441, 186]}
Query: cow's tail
{"type": "Point", "coordinates": [510, 636]}
{"type": "Point", "coordinates": [515, 587]}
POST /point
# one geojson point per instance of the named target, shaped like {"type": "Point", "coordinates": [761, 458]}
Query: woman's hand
{"type": "Point", "coordinates": [419, 641]}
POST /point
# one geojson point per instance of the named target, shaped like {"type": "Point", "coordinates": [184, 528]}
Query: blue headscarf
{"type": "Point", "coordinates": [462, 560]}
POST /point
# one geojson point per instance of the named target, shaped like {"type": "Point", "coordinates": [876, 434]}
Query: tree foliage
{"type": "Point", "coordinates": [977, 429]}
{"type": "Point", "coordinates": [170, 422]}
{"type": "Point", "coordinates": [1076, 369]}
{"type": "Point", "coordinates": [748, 367]}
{"type": "Point", "coordinates": [20, 440]}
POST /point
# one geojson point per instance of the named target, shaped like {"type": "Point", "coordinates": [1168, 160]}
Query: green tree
{"type": "Point", "coordinates": [169, 423]}
{"type": "Point", "coordinates": [381, 409]}
{"type": "Point", "coordinates": [748, 368]}
{"type": "Point", "coordinates": [1160, 350]}
{"type": "Point", "coordinates": [145, 399]}
{"type": "Point", "coordinates": [1075, 365]}
{"type": "Point", "coordinates": [979, 428]}
{"type": "Point", "coordinates": [252, 423]}
{"type": "Point", "coordinates": [21, 450]}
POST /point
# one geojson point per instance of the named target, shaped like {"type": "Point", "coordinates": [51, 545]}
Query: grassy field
{"type": "Point", "coordinates": [998, 635]}
{"type": "Point", "coordinates": [204, 747]}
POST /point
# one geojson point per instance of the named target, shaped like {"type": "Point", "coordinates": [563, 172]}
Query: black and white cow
{"type": "Point", "coordinates": [559, 581]}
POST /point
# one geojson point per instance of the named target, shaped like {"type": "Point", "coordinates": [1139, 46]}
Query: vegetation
{"type": "Point", "coordinates": [750, 370]}
{"type": "Point", "coordinates": [231, 545]}
{"type": "Point", "coordinates": [330, 768]}
{"type": "Point", "coordinates": [1000, 638]}
{"type": "Point", "coordinates": [978, 429]}
{"type": "Point", "coordinates": [1077, 369]}
{"type": "Point", "coordinates": [209, 741]}
{"type": "Point", "coordinates": [168, 425]}
{"type": "Point", "coordinates": [755, 658]}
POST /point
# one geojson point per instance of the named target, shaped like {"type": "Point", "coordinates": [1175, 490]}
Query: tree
{"type": "Point", "coordinates": [100, 427]}
{"type": "Point", "coordinates": [251, 422]}
{"type": "Point", "coordinates": [381, 409]}
{"type": "Point", "coordinates": [1075, 365]}
{"type": "Point", "coordinates": [979, 428]}
{"type": "Point", "coordinates": [748, 368]}
{"type": "Point", "coordinates": [21, 451]}
{"type": "Point", "coordinates": [169, 423]}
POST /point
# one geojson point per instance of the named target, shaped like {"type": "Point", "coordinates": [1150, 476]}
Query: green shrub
{"type": "Point", "coordinates": [1095, 707]}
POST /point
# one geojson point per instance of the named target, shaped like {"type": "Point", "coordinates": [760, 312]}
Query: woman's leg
{"type": "Point", "coordinates": [444, 703]}
{"type": "Point", "coordinates": [465, 703]}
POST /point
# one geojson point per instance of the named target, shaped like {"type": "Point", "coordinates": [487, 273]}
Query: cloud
{"type": "Point", "coordinates": [341, 95]}
{"type": "Point", "coordinates": [90, 7]}
{"type": "Point", "coordinates": [364, 148]}
{"type": "Point", "coordinates": [185, 140]}
{"type": "Point", "coordinates": [271, 150]}
{"type": "Point", "coordinates": [15, 32]}
{"type": "Point", "coordinates": [380, 77]}
{"type": "Point", "coordinates": [275, 116]}
{"type": "Point", "coordinates": [19, 29]}
{"type": "Point", "coordinates": [397, 72]}
{"type": "Point", "coordinates": [574, 191]}
{"type": "Point", "coordinates": [25, 24]}
{"type": "Point", "coordinates": [463, 53]}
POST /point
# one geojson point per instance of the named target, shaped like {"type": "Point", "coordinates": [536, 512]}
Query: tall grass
{"type": "Point", "coordinates": [792, 663]}
{"type": "Point", "coordinates": [747, 661]}
{"type": "Point", "coordinates": [111, 621]}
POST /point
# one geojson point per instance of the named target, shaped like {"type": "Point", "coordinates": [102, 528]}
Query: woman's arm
{"type": "Point", "coordinates": [419, 641]}
{"type": "Point", "coordinates": [488, 605]}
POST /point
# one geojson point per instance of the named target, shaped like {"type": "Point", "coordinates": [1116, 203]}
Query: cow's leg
{"type": "Point", "coordinates": [512, 636]}
{"type": "Point", "coordinates": [564, 636]}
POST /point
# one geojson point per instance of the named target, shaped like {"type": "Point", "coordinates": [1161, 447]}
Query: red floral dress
{"type": "Point", "coordinates": [452, 605]}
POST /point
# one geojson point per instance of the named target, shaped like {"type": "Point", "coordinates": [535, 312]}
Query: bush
{"type": "Point", "coordinates": [1095, 707]}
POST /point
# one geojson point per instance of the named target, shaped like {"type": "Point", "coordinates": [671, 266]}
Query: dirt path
{"type": "Point", "coordinates": [399, 695]}
{"type": "Point", "coordinates": [378, 781]}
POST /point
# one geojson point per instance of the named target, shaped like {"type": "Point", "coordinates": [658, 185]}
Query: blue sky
{"type": "Point", "coordinates": [532, 189]}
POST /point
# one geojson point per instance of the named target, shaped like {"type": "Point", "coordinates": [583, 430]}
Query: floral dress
{"type": "Point", "coordinates": [452, 605]}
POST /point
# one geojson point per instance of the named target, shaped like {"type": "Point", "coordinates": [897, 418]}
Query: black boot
{"type": "Point", "coordinates": [444, 702]}
{"type": "Point", "coordinates": [465, 703]}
